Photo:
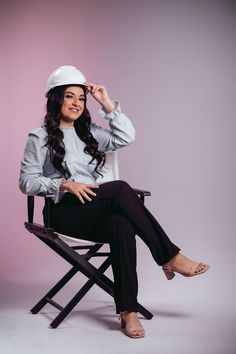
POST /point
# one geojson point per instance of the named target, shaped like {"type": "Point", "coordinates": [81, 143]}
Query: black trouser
{"type": "Point", "coordinates": [115, 216]}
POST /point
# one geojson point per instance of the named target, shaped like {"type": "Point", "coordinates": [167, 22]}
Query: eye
{"type": "Point", "coordinates": [68, 95]}
{"type": "Point", "coordinates": [82, 99]}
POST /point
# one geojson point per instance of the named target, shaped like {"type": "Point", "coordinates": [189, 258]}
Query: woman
{"type": "Point", "coordinates": [63, 159]}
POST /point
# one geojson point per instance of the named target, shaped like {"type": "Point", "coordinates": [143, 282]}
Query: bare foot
{"type": "Point", "coordinates": [133, 326]}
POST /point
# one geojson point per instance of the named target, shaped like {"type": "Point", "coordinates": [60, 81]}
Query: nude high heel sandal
{"type": "Point", "coordinates": [170, 273]}
{"type": "Point", "coordinates": [131, 331]}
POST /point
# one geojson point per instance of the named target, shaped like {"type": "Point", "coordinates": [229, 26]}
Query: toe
{"type": "Point", "coordinates": [139, 333]}
{"type": "Point", "coordinates": [135, 333]}
{"type": "Point", "coordinates": [200, 267]}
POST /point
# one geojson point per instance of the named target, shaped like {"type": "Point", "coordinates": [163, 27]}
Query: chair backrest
{"type": "Point", "coordinates": [110, 170]}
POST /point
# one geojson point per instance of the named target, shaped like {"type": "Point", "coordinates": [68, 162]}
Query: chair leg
{"type": "Point", "coordinates": [80, 294]}
{"type": "Point", "coordinates": [95, 276]}
{"type": "Point", "coordinates": [62, 282]}
{"type": "Point", "coordinates": [146, 314]}
{"type": "Point", "coordinates": [83, 291]}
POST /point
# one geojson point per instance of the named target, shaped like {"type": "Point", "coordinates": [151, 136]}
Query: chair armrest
{"type": "Point", "coordinates": [142, 193]}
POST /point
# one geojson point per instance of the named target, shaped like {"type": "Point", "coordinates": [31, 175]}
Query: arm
{"type": "Point", "coordinates": [121, 131]}
{"type": "Point", "coordinates": [32, 180]}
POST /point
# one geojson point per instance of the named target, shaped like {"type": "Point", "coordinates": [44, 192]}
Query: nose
{"type": "Point", "coordinates": [75, 101]}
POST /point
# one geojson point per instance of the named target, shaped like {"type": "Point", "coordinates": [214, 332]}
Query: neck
{"type": "Point", "coordinates": [64, 124]}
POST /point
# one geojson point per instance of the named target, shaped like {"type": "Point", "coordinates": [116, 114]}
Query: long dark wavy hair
{"type": "Point", "coordinates": [55, 135]}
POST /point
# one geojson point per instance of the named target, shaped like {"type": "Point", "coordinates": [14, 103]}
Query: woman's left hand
{"type": "Point", "coordinates": [99, 92]}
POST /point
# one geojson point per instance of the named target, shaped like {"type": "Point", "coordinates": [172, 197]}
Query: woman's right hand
{"type": "Point", "coordinates": [81, 190]}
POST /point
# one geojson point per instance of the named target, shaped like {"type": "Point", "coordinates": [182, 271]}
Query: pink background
{"type": "Point", "coordinates": [172, 66]}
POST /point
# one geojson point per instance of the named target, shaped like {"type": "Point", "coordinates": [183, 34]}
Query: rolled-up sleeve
{"type": "Point", "coordinates": [121, 133]}
{"type": "Point", "coordinates": [32, 181]}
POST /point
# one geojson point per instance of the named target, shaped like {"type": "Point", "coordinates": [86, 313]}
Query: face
{"type": "Point", "coordinates": [73, 104]}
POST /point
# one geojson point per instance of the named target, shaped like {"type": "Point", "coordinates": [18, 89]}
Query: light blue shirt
{"type": "Point", "coordinates": [38, 175]}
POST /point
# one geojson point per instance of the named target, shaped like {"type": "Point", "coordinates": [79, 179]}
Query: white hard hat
{"type": "Point", "coordinates": [65, 75]}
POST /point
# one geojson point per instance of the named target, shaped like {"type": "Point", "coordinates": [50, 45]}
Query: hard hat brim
{"type": "Point", "coordinates": [86, 89]}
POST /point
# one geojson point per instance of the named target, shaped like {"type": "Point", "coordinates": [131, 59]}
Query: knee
{"type": "Point", "coordinates": [120, 184]}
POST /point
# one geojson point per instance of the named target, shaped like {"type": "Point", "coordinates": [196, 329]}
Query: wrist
{"type": "Point", "coordinates": [64, 184]}
{"type": "Point", "coordinates": [108, 107]}
{"type": "Point", "coordinates": [112, 115]}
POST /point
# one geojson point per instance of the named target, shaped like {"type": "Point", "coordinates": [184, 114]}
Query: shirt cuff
{"type": "Point", "coordinates": [54, 190]}
{"type": "Point", "coordinates": [112, 115]}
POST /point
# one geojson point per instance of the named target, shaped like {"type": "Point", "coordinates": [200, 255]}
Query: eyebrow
{"type": "Point", "coordinates": [74, 93]}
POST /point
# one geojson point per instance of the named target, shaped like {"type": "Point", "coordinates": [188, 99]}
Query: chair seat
{"type": "Point", "coordinates": [78, 240]}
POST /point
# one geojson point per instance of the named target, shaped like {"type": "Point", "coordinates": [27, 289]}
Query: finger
{"type": "Point", "coordinates": [89, 88]}
{"type": "Point", "coordinates": [98, 88]}
{"type": "Point", "coordinates": [94, 88]}
{"type": "Point", "coordinates": [90, 85]}
{"type": "Point", "coordinates": [90, 192]}
{"type": "Point", "coordinates": [79, 196]}
{"type": "Point", "coordinates": [85, 195]}
{"type": "Point", "coordinates": [92, 185]}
